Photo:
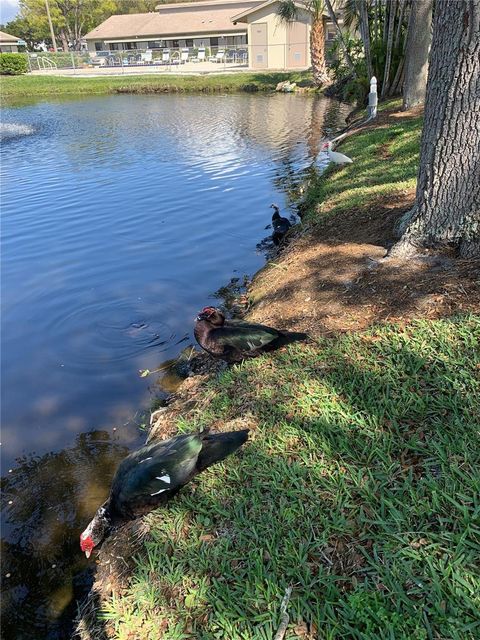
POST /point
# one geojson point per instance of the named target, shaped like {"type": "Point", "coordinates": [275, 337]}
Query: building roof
{"type": "Point", "coordinates": [240, 17]}
{"type": "Point", "coordinates": [6, 37]}
{"type": "Point", "coordinates": [172, 20]}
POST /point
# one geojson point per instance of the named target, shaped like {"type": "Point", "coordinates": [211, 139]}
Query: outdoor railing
{"type": "Point", "coordinates": [165, 59]}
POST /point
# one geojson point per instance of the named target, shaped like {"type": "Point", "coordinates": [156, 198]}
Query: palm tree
{"type": "Point", "coordinates": [288, 11]}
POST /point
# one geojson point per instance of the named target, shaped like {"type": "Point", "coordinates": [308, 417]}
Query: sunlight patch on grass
{"type": "Point", "coordinates": [385, 162]}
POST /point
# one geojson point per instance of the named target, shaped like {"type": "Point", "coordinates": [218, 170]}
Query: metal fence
{"type": "Point", "coordinates": [202, 59]}
{"type": "Point", "coordinates": [165, 58]}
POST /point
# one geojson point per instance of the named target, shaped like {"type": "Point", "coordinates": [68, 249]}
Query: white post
{"type": "Point", "coordinates": [372, 99]}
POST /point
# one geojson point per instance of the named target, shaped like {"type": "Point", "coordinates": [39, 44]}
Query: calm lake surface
{"type": "Point", "coordinates": [121, 216]}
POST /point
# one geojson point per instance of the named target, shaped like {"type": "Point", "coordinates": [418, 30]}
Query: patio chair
{"type": "Point", "coordinates": [219, 57]}
{"type": "Point", "coordinates": [242, 56]}
{"type": "Point", "coordinates": [200, 55]}
{"type": "Point", "coordinates": [166, 56]}
{"type": "Point", "coordinates": [147, 56]}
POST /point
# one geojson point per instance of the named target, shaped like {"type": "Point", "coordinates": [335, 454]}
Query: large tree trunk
{"type": "Point", "coordinates": [416, 55]}
{"type": "Point", "coordinates": [447, 205]}
{"type": "Point", "coordinates": [317, 52]}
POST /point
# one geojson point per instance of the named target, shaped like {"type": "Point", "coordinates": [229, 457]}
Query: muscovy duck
{"type": "Point", "coordinates": [334, 156]}
{"type": "Point", "coordinates": [235, 340]}
{"type": "Point", "coordinates": [280, 225]}
{"type": "Point", "coordinates": [149, 477]}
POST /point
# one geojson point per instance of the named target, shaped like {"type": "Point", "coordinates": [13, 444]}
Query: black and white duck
{"type": "Point", "coordinates": [149, 477]}
{"type": "Point", "coordinates": [280, 225]}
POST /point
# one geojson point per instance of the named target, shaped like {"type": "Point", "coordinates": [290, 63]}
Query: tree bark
{"type": "Point", "coordinates": [447, 204]}
{"type": "Point", "coordinates": [64, 39]}
{"type": "Point", "coordinates": [398, 34]}
{"type": "Point", "coordinates": [317, 52]}
{"type": "Point", "coordinates": [365, 34]}
{"type": "Point", "coordinates": [388, 57]}
{"type": "Point", "coordinates": [419, 38]}
{"type": "Point", "coordinates": [395, 87]}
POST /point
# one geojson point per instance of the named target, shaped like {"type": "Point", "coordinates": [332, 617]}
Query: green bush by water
{"type": "Point", "coordinates": [13, 64]}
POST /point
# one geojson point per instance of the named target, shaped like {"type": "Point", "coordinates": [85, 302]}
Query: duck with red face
{"type": "Point", "coordinates": [95, 532]}
{"type": "Point", "coordinates": [149, 477]}
{"type": "Point", "coordinates": [235, 340]}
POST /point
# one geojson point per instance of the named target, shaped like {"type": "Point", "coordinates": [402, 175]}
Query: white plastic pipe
{"type": "Point", "coordinates": [372, 99]}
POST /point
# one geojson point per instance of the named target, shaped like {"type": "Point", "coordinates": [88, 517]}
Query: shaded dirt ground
{"type": "Point", "coordinates": [329, 279]}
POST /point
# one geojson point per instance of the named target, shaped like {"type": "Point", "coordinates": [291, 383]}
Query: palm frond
{"type": "Point", "coordinates": [287, 10]}
{"type": "Point", "coordinates": [350, 14]}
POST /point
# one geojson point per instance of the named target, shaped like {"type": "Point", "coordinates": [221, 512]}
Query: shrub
{"type": "Point", "coordinates": [13, 64]}
{"type": "Point", "coordinates": [346, 87]}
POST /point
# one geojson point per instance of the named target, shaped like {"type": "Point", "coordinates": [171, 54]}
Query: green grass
{"type": "Point", "coordinates": [385, 163]}
{"type": "Point", "coordinates": [40, 86]}
{"type": "Point", "coordinates": [360, 488]}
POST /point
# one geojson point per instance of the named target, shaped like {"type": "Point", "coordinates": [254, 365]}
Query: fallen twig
{"type": "Point", "coordinates": [278, 266]}
{"type": "Point", "coordinates": [285, 617]}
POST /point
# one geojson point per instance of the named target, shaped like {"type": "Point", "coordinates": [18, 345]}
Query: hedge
{"type": "Point", "coordinates": [13, 64]}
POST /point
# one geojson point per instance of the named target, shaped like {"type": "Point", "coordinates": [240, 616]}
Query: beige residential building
{"type": "Point", "coordinates": [192, 24]}
{"type": "Point", "coordinates": [9, 43]}
{"type": "Point", "coordinates": [252, 28]}
{"type": "Point", "coordinates": [273, 43]}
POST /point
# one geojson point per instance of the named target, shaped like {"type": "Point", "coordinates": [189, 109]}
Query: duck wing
{"type": "Point", "coordinates": [154, 470]}
{"type": "Point", "coordinates": [244, 336]}
{"type": "Point", "coordinates": [282, 225]}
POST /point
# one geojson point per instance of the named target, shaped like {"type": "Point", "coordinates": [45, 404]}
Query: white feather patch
{"type": "Point", "coordinates": [166, 479]}
{"type": "Point", "coordinates": [145, 459]}
{"type": "Point", "coordinates": [157, 492]}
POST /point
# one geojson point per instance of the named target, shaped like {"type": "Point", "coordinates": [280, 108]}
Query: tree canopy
{"type": "Point", "coordinates": [71, 19]}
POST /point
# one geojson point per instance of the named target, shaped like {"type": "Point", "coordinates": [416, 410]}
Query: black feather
{"type": "Point", "coordinates": [217, 446]}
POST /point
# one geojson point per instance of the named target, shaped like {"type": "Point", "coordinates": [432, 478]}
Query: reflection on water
{"type": "Point", "coordinates": [45, 498]}
{"type": "Point", "coordinates": [121, 216]}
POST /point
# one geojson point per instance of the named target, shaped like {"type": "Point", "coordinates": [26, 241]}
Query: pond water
{"type": "Point", "coordinates": [121, 216]}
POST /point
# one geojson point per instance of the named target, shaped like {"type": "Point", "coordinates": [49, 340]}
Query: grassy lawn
{"type": "Point", "coordinates": [385, 163]}
{"type": "Point", "coordinates": [359, 488]}
{"type": "Point", "coordinates": [32, 86]}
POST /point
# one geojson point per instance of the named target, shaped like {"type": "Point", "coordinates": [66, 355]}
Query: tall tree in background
{"type": "Point", "coordinates": [416, 54]}
{"type": "Point", "coordinates": [447, 205]}
{"type": "Point", "coordinates": [21, 28]}
{"type": "Point", "coordinates": [288, 12]}
{"type": "Point", "coordinates": [71, 19]}
{"type": "Point", "coordinates": [364, 25]}
{"type": "Point", "coordinates": [391, 5]}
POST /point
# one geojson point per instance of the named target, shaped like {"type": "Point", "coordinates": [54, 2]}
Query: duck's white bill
{"type": "Point", "coordinates": [88, 553]}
